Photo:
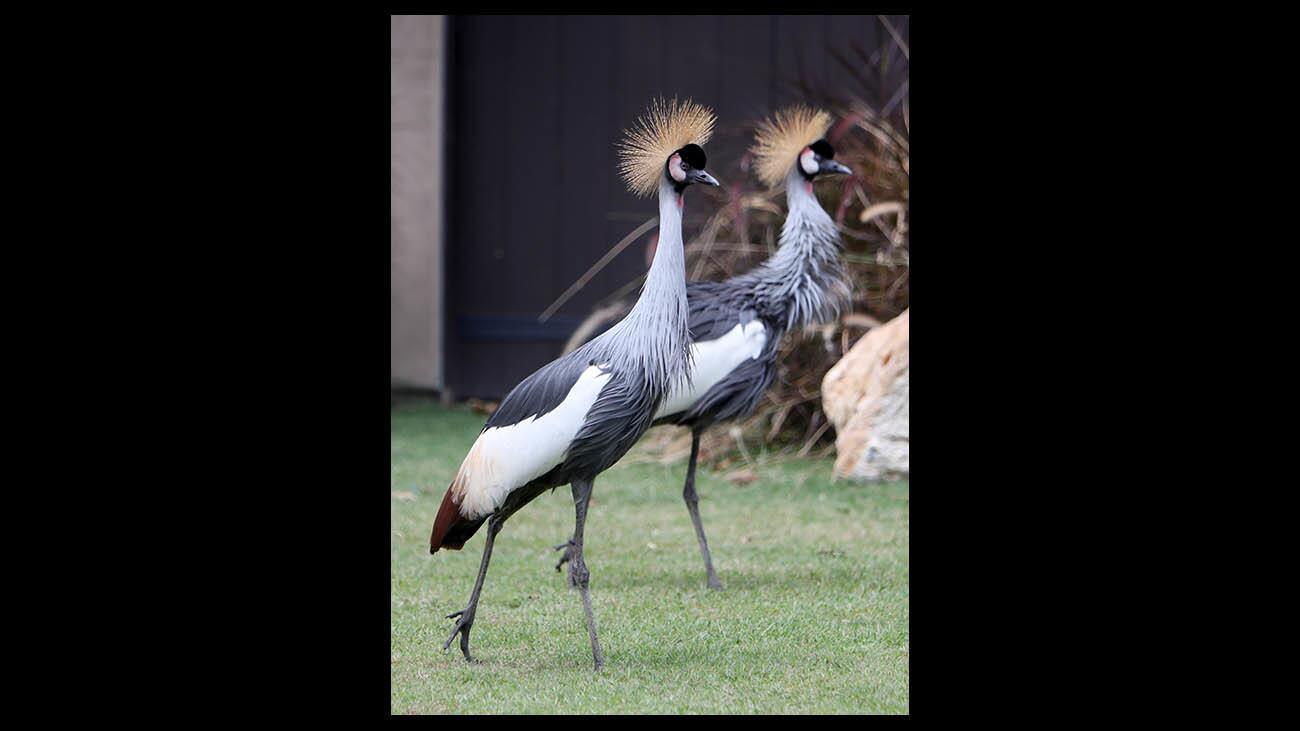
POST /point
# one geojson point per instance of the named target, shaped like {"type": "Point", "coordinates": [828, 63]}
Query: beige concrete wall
{"type": "Point", "coordinates": [416, 276]}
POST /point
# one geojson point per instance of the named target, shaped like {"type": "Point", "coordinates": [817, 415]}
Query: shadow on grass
{"type": "Point", "coordinates": [839, 572]}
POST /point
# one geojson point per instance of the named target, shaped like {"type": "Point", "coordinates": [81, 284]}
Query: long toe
{"type": "Point", "coordinates": [462, 628]}
{"type": "Point", "coordinates": [566, 557]}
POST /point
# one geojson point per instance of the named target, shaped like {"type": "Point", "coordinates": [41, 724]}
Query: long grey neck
{"type": "Point", "coordinates": [665, 284]}
{"type": "Point", "coordinates": [654, 338]}
{"type": "Point", "coordinates": [804, 211]}
{"type": "Point", "coordinates": [805, 278]}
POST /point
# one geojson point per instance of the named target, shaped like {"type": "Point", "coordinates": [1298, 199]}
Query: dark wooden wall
{"type": "Point", "coordinates": [535, 108]}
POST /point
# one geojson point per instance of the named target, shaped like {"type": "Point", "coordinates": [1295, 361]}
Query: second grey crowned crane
{"type": "Point", "coordinates": [737, 324]}
{"type": "Point", "coordinates": [576, 416]}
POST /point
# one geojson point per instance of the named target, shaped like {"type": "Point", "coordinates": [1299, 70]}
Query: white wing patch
{"type": "Point", "coordinates": [712, 360]}
{"type": "Point", "coordinates": [508, 457]}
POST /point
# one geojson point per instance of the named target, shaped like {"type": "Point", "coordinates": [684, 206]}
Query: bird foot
{"type": "Point", "coordinates": [715, 584]}
{"type": "Point", "coordinates": [462, 628]}
{"type": "Point", "coordinates": [568, 547]}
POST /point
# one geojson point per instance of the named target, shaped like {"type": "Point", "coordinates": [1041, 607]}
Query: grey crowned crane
{"type": "Point", "coordinates": [576, 416]}
{"type": "Point", "coordinates": [737, 324]}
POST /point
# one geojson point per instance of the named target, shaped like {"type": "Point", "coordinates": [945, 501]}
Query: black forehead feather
{"type": "Point", "coordinates": [693, 154]}
{"type": "Point", "coordinates": [823, 148]}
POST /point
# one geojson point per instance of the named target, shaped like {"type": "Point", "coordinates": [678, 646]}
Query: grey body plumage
{"type": "Point", "coordinates": [604, 394]}
{"type": "Point", "coordinates": [803, 283]}
{"type": "Point", "coordinates": [646, 354]}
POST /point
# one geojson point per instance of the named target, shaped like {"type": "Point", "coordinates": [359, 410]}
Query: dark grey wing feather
{"type": "Point", "coordinates": [541, 392]}
{"type": "Point", "coordinates": [621, 414]}
{"type": "Point", "coordinates": [711, 316]}
{"type": "Point", "coordinates": [715, 308]}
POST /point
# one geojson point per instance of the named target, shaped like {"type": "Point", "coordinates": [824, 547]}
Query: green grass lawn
{"type": "Point", "coordinates": [813, 617]}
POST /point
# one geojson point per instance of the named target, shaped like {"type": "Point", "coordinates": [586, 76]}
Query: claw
{"type": "Point", "coordinates": [566, 544]}
{"type": "Point", "coordinates": [462, 628]}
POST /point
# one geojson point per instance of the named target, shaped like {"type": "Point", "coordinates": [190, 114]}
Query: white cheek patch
{"type": "Point", "coordinates": [675, 168]}
{"type": "Point", "coordinates": [808, 161]}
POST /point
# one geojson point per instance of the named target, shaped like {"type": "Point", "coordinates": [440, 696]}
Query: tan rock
{"type": "Point", "coordinates": [866, 397]}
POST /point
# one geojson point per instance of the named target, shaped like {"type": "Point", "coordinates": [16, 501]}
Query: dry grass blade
{"type": "Point", "coordinates": [595, 268]}
{"type": "Point", "coordinates": [898, 97]}
{"type": "Point", "coordinates": [880, 209]}
{"type": "Point", "coordinates": [857, 319]}
{"type": "Point", "coordinates": [808, 445]}
{"type": "Point", "coordinates": [902, 45]}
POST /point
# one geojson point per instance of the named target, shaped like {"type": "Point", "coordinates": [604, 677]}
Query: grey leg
{"type": "Point", "coordinates": [693, 505]}
{"type": "Point", "coordinates": [466, 622]}
{"type": "Point", "coordinates": [578, 574]}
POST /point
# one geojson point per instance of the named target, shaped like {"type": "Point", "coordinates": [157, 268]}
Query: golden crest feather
{"type": "Point", "coordinates": [781, 137]}
{"type": "Point", "coordinates": [665, 127]}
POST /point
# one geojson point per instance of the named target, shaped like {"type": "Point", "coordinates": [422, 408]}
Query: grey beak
{"type": "Point", "coordinates": [699, 176]}
{"type": "Point", "coordinates": [830, 166]}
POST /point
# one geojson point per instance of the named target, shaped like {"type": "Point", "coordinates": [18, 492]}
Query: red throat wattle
{"type": "Point", "coordinates": [680, 201]}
